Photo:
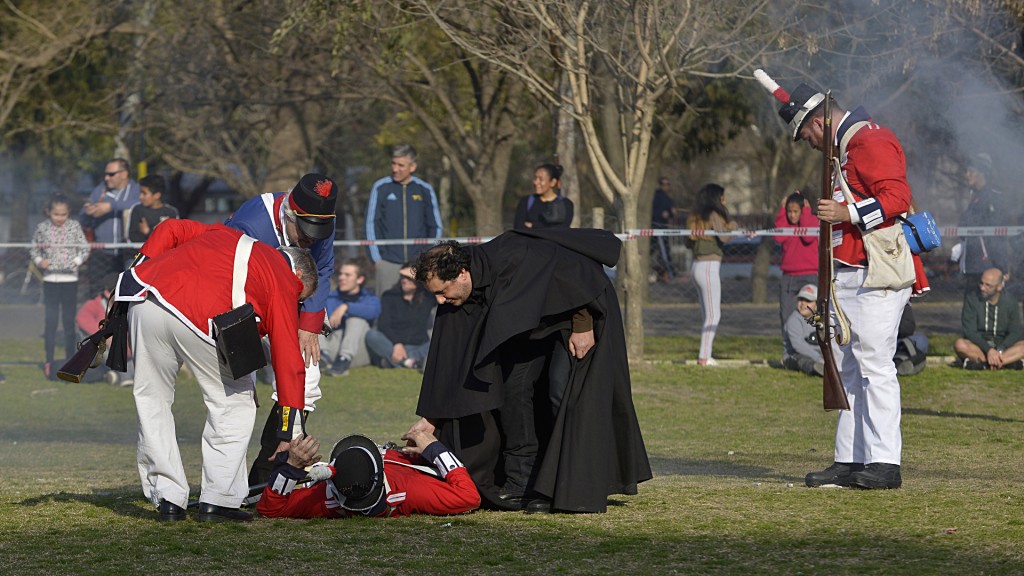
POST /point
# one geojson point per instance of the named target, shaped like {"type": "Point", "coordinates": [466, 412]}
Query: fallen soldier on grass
{"type": "Point", "coordinates": [363, 479]}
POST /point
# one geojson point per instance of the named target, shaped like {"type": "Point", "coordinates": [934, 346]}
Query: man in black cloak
{"type": "Point", "coordinates": [515, 313]}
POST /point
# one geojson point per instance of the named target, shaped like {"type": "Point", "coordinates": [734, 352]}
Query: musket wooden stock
{"type": "Point", "coordinates": [89, 355]}
{"type": "Point", "coordinates": [833, 392]}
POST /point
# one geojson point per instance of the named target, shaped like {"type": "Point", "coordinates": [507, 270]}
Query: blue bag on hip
{"type": "Point", "coordinates": [921, 231]}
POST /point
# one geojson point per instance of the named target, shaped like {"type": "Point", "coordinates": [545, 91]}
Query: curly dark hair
{"type": "Point", "coordinates": [445, 261]}
{"type": "Point", "coordinates": [795, 198]}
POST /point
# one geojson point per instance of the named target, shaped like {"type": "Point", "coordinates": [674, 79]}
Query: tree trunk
{"type": "Point", "coordinates": [489, 181]}
{"type": "Point", "coordinates": [565, 149]}
{"type": "Point", "coordinates": [759, 271]}
{"type": "Point", "coordinates": [633, 278]}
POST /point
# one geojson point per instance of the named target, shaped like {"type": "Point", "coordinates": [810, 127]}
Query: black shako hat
{"type": "Point", "coordinates": [796, 106]}
{"type": "Point", "coordinates": [313, 201]}
{"type": "Point", "coordinates": [358, 472]}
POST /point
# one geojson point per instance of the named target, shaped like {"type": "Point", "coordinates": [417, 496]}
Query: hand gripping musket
{"type": "Point", "coordinates": [833, 392]}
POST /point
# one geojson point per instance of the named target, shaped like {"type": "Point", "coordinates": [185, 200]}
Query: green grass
{"type": "Point", "coordinates": [729, 447]}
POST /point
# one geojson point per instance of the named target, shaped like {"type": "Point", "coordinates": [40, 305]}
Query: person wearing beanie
{"type": "Point", "coordinates": [868, 440]}
{"type": "Point", "coordinates": [303, 217]}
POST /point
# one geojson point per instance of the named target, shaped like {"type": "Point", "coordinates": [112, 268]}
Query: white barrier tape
{"type": "Point", "coordinates": [947, 232]}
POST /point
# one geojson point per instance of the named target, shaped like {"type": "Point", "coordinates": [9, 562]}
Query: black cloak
{"type": "Point", "coordinates": [531, 282]}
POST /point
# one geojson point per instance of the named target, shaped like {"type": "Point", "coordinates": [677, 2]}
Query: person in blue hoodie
{"type": "Point", "coordinates": [302, 217]}
{"type": "Point", "coordinates": [351, 310]}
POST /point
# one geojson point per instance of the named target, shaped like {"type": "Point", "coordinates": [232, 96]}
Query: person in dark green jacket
{"type": "Point", "coordinates": [992, 327]}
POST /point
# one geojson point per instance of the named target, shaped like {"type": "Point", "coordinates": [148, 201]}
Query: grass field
{"type": "Point", "coordinates": [729, 447]}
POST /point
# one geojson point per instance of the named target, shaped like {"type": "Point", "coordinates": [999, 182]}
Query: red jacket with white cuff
{"type": "Point", "coordinates": [875, 168]}
{"type": "Point", "coordinates": [436, 483]}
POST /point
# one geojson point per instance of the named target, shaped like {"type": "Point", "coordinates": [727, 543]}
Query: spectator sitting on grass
{"type": "Point", "coordinates": [351, 309]}
{"type": "Point", "coordinates": [806, 356]}
{"type": "Point", "coordinates": [402, 335]}
{"type": "Point", "coordinates": [991, 326]}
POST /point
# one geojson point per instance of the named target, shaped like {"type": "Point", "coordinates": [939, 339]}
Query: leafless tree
{"type": "Point", "coordinates": [234, 92]}
{"type": "Point", "coordinates": [621, 59]}
{"type": "Point", "coordinates": [472, 110]}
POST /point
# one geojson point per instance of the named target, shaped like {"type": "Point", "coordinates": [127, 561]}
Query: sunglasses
{"type": "Point", "coordinates": [112, 174]}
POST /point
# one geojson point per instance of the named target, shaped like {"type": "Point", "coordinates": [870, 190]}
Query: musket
{"type": "Point", "coordinates": [833, 391]}
{"type": "Point", "coordinates": [89, 355]}
{"type": "Point", "coordinates": [92, 348]}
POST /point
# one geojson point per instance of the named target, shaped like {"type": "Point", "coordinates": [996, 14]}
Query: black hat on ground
{"type": "Point", "coordinates": [359, 472]}
{"type": "Point", "coordinates": [313, 201]}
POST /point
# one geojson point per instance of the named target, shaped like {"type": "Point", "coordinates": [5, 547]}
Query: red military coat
{"type": "Point", "coordinates": [412, 488]}
{"type": "Point", "coordinates": [189, 269]}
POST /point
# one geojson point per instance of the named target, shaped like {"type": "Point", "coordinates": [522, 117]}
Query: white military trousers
{"type": "Point", "coordinates": [870, 430]}
{"type": "Point", "coordinates": [161, 343]}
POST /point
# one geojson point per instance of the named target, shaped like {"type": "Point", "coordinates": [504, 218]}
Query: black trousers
{"type": "Point", "coordinates": [536, 374]}
{"type": "Point", "coordinates": [262, 466]}
{"type": "Point", "coordinates": [59, 300]}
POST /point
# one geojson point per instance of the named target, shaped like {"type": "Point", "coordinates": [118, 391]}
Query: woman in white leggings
{"type": "Point", "coordinates": [708, 214]}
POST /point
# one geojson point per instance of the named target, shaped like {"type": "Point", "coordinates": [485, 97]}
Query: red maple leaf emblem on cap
{"type": "Point", "coordinates": [323, 188]}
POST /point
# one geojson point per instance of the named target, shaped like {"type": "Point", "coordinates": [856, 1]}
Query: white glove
{"type": "Point", "coordinates": [320, 471]}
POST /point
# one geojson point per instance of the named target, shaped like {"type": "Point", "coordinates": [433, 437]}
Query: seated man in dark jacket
{"type": "Point", "coordinates": [402, 335]}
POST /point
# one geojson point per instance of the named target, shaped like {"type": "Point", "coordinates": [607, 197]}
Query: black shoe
{"type": "Point", "coordinates": [513, 498]}
{"type": "Point", "coordinates": [538, 505]}
{"type": "Point", "coordinates": [170, 512]}
{"type": "Point", "coordinates": [972, 365]}
{"type": "Point", "coordinates": [340, 367]}
{"type": "Point", "coordinates": [214, 513]}
{"type": "Point", "coordinates": [877, 476]}
{"type": "Point", "coordinates": [838, 474]}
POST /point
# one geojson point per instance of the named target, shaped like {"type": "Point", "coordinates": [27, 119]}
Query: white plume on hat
{"type": "Point", "coordinates": [771, 86]}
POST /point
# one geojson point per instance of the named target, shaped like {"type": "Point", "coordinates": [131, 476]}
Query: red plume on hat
{"type": "Point", "coordinates": [323, 188]}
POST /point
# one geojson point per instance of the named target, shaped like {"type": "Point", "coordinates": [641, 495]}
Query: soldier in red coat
{"type": "Point", "coordinates": [362, 479]}
{"type": "Point", "coordinates": [181, 280]}
{"type": "Point", "coordinates": [871, 161]}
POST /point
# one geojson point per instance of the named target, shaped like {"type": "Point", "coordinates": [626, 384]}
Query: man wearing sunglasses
{"type": "Point", "coordinates": [103, 215]}
{"type": "Point", "coordinates": [302, 217]}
